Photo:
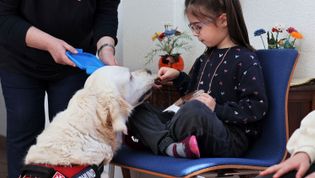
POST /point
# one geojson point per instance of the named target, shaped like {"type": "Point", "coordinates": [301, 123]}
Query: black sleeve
{"type": "Point", "coordinates": [106, 22]}
{"type": "Point", "coordinates": [182, 83]}
{"type": "Point", "coordinates": [187, 83]}
{"type": "Point", "coordinates": [12, 27]}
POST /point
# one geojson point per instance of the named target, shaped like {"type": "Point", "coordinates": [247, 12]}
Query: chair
{"type": "Point", "coordinates": [269, 149]}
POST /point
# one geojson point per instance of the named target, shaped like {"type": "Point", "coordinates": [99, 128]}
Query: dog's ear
{"type": "Point", "coordinates": [119, 113]}
{"type": "Point", "coordinates": [116, 109]}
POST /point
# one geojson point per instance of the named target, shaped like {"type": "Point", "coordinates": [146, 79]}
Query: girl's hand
{"type": "Point", "coordinates": [311, 175]}
{"type": "Point", "coordinates": [167, 74]}
{"type": "Point", "coordinates": [299, 162]}
{"type": "Point", "coordinates": [206, 99]}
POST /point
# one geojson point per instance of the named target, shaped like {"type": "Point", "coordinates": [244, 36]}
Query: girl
{"type": "Point", "coordinates": [223, 120]}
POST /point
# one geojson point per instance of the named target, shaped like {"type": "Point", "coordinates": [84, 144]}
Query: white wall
{"type": "Point", "coordinates": [299, 14]}
{"type": "Point", "coordinates": [140, 23]}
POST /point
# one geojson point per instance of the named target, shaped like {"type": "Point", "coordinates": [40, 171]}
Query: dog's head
{"type": "Point", "coordinates": [122, 89]}
{"type": "Point", "coordinates": [134, 87]}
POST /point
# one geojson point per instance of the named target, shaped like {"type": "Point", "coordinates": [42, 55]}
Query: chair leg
{"type": "Point", "coordinates": [111, 170]}
{"type": "Point", "coordinates": [125, 172]}
{"type": "Point", "coordinates": [248, 176]}
{"type": "Point", "coordinates": [241, 173]}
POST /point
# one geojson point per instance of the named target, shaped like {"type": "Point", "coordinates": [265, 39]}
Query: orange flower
{"type": "Point", "coordinates": [296, 35]}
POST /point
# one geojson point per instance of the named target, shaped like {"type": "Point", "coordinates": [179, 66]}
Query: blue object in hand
{"type": "Point", "coordinates": [85, 61]}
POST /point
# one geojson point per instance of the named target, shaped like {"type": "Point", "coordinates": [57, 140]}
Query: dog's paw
{"type": "Point", "coordinates": [119, 125]}
{"type": "Point", "coordinates": [125, 131]}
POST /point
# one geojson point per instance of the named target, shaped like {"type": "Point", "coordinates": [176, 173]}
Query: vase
{"type": "Point", "coordinates": [172, 61]}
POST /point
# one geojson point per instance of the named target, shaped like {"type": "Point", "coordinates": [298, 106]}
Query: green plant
{"type": "Point", "coordinates": [171, 42]}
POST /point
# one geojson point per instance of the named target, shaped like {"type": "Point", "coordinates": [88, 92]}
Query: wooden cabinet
{"type": "Point", "coordinates": [301, 101]}
{"type": "Point", "coordinates": [164, 97]}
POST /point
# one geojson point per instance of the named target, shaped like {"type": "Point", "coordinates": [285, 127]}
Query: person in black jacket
{"type": "Point", "coordinates": [34, 36]}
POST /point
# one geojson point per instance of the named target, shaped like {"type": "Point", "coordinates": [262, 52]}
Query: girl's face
{"type": "Point", "coordinates": [211, 32]}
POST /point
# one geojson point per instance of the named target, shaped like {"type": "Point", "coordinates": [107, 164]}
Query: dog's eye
{"type": "Point", "coordinates": [131, 77]}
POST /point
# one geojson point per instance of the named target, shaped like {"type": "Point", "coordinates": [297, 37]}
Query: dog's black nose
{"type": "Point", "coordinates": [148, 71]}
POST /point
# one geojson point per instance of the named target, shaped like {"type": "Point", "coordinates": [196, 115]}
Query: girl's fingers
{"type": "Point", "coordinates": [280, 172]}
{"type": "Point", "coordinates": [269, 170]}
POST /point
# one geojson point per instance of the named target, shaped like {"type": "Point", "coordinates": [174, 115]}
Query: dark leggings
{"type": "Point", "coordinates": [157, 130]}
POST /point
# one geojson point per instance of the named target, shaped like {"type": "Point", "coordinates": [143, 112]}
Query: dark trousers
{"type": "Point", "coordinates": [292, 173]}
{"type": "Point", "coordinates": [158, 130]}
{"type": "Point", "coordinates": [24, 101]}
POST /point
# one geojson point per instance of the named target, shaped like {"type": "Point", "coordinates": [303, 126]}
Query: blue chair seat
{"type": "Point", "coordinates": [180, 167]}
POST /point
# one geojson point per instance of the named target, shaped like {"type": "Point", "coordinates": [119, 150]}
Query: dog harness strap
{"type": "Point", "coordinates": [32, 171]}
{"type": "Point", "coordinates": [50, 171]}
{"type": "Point", "coordinates": [89, 172]}
{"type": "Point", "coordinates": [68, 171]}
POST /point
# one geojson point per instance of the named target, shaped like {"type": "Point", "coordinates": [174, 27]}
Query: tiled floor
{"type": "Point", "coordinates": [3, 163]}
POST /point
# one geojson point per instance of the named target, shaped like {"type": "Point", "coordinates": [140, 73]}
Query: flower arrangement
{"type": "Point", "coordinates": [280, 37]}
{"type": "Point", "coordinates": [169, 44]}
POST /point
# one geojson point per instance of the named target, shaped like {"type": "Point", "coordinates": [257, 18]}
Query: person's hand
{"type": "Point", "coordinates": [57, 49]}
{"type": "Point", "coordinates": [311, 175]}
{"type": "Point", "coordinates": [107, 56]}
{"type": "Point", "coordinates": [36, 38]}
{"type": "Point", "coordinates": [299, 162]}
{"type": "Point", "coordinates": [106, 50]}
{"type": "Point", "coordinates": [166, 74]}
{"type": "Point", "coordinates": [206, 99]}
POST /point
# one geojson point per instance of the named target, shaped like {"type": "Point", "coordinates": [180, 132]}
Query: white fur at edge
{"type": "Point", "coordinates": [83, 134]}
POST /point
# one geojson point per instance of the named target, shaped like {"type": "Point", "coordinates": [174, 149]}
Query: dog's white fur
{"type": "Point", "coordinates": [86, 132]}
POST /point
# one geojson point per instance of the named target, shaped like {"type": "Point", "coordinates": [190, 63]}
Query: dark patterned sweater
{"type": "Point", "coordinates": [235, 78]}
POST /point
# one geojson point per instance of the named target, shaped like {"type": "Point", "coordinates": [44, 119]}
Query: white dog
{"type": "Point", "coordinates": [86, 132]}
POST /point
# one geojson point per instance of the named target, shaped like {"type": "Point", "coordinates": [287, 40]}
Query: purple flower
{"type": "Point", "coordinates": [170, 32]}
{"type": "Point", "coordinates": [259, 32]}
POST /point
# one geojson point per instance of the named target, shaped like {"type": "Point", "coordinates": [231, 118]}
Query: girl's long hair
{"type": "Point", "coordinates": [210, 9]}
